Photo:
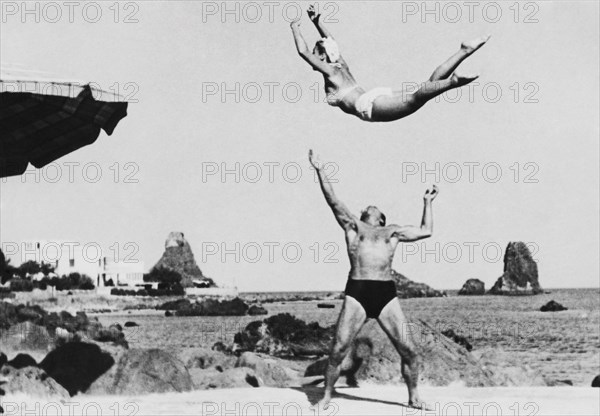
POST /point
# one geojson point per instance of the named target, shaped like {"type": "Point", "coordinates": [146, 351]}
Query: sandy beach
{"type": "Point", "coordinates": [367, 400]}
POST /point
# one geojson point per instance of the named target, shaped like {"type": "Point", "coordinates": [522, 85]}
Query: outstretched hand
{"type": "Point", "coordinates": [430, 194]}
{"type": "Point", "coordinates": [295, 23]}
{"type": "Point", "coordinates": [312, 13]}
{"type": "Point", "coordinates": [314, 159]}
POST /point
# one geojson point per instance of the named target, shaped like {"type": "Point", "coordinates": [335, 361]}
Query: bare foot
{"type": "Point", "coordinates": [322, 405]}
{"type": "Point", "coordinates": [418, 404]}
{"type": "Point", "coordinates": [471, 46]}
{"type": "Point", "coordinates": [460, 80]}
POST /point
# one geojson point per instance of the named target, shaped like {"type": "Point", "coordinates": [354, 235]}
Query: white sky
{"type": "Point", "coordinates": [177, 51]}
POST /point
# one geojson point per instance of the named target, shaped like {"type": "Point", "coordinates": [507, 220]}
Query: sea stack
{"type": "Point", "coordinates": [472, 287]}
{"type": "Point", "coordinates": [520, 275]}
{"type": "Point", "coordinates": [178, 257]}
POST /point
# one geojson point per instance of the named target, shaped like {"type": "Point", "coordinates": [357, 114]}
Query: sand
{"type": "Point", "coordinates": [365, 400]}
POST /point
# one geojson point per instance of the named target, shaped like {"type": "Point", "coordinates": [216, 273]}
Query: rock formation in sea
{"type": "Point", "coordinates": [178, 257]}
{"type": "Point", "coordinates": [472, 287]}
{"type": "Point", "coordinates": [406, 288]}
{"type": "Point", "coordinates": [520, 275]}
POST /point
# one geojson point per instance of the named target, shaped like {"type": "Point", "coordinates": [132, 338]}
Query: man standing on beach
{"type": "Point", "coordinates": [371, 291]}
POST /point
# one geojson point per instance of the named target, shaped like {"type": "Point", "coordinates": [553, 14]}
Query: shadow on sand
{"type": "Point", "coordinates": [314, 394]}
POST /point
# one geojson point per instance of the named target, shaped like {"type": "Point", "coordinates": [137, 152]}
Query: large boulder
{"type": "Point", "coordinates": [76, 365]}
{"type": "Point", "coordinates": [32, 381]}
{"type": "Point", "coordinates": [142, 371]}
{"type": "Point", "coordinates": [406, 288]}
{"type": "Point", "coordinates": [596, 381]}
{"type": "Point", "coordinates": [472, 287]}
{"type": "Point", "coordinates": [520, 275]}
{"type": "Point", "coordinates": [178, 257]}
{"type": "Point", "coordinates": [442, 361]}
{"type": "Point", "coordinates": [270, 372]}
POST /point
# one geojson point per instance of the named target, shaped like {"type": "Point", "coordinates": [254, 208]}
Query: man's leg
{"type": "Point", "coordinates": [352, 318]}
{"type": "Point", "coordinates": [395, 325]}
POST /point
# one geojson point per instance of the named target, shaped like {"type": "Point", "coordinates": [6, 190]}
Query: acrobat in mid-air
{"type": "Point", "coordinates": [378, 104]}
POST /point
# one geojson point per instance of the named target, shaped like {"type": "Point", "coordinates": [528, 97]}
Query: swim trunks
{"type": "Point", "coordinates": [364, 103]}
{"type": "Point", "coordinates": [334, 99]}
{"type": "Point", "coordinates": [373, 295]}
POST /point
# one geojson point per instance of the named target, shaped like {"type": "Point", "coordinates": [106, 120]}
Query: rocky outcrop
{"type": "Point", "coordinates": [32, 381]}
{"type": "Point", "coordinates": [284, 335]}
{"type": "Point", "coordinates": [553, 306]}
{"type": "Point", "coordinates": [257, 310]}
{"type": "Point", "coordinates": [520, 275]}
{"type": "Point", "coordinates": [406, 288]}
{"type": "Point", "coordinates": [39, 329]}
{"type": "Point", "coordinates": [76, 365]}
{"type": "Point", "coordinates": [442, 361]}
{"type": "Point", "coordinates": [178, 257]}
{"type": "Point", "coordinates": [207, 307]}
{"type": "Point", "coordinates": [142, 371]}
{"type": "Point", "coordinates": [596, 381]}
{"type": "Point", "coordinates": [472, 287]}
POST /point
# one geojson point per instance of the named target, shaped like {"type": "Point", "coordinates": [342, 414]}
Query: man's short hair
{"type": "Point", "coordinates": [365, 215]}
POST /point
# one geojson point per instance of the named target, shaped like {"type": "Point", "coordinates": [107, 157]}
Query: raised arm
{"type": "Point", "coordinates": [342, 214]}
{"type": "Point", "coordinates": [316, 19]}
{"type": "Point", "coordinates": [412, 233]}
{"type": "Point", "coordinates": [307, 55]}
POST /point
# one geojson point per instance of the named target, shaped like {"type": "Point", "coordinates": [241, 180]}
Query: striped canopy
{"type": "Point", "coordinates": [41, 121]}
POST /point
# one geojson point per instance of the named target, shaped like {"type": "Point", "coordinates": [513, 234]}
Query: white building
{"type": "Point", "coordinates": [122, 273]}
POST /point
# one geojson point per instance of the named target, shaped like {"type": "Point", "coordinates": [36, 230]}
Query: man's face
{"type": "Point", "coordinates": [372, 216]}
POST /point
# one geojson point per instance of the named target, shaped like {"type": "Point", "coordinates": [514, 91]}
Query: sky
{"type": "Point", "coordinates": [223, 112]}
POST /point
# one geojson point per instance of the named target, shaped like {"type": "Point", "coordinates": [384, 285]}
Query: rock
{"type": "Point", "coordinates": [472, 287]}
{"type": "Point", "coordinates": [168, 313]}
{"type": "Point", "coordinates": [257, 310]}
{"type": "Point", "coordinates": [559, 383]}
{"type": "Point", "coordinates": [459, 339]}
{"type": "Point", "coordinates": [596, 381]}
{"type": "Point", "coordinates": [142, 371]}
{"type": "Point", "coordinates": [178, 257]}
{"type": "Point", "coordinates": [207, 307]}
{"type": "Point", "coordinates": [230, 378]}
{"type": "Point", "coordinates": [28, 337]}
{"type": "Point", "coordinates": [284, 335]}
{"type": "Point", "coordinates": [442, 361]}
{"type": "Point", "coordinates": [553, 306]}
{"type": "Point", "coordinates": [22, 361]}
{"type": "Point", "coordinates": [130, 324]}
{"type": "Point", "coordinates": [76, 365]}
{"type": "Point", "coordinates": [220, 347]}
{"type": "Point", "coordinates": [406, 288]}
{"type": "Point", "coordinates": [204, 358]}
{"type": "Point", "coordinates": [270, 372]}
{"type": "Point", "coordinates": [325, 306]}
{"type": "Point", "coordinates": [32, 381]}
{"type": "Point", "coordinates": [520, 275]}
{"type": "Point", "coordinates": [3, 359]}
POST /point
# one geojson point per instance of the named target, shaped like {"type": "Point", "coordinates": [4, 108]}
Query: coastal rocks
{"type": "Point", "coordinates": [142, 371]}
{"type": "Point", "coordinates": [208, 307]}
{"type": "Point", "coordinates": [204, 358]}
{"type": "Point", "coordinates": [32, 381]}
{"type": "Point", "coordinates": [22, 361]}
{"type": "Point", "coordinates": [268, 370]}
{"type": "Point", "coordinates": [406, 288]}
{"type": "Point", "coordinates": [596, 381]}
{"type": "Point", "coordinates": [472, 287]}
{"type": "Point", "coordinates": [230, 378]}
{"type": "Point", "coordinates": [76, 365]}
{"type": "Point", "coordinates": [442, 361]}
{"type": "Point", "coordinates": [178, 257]}
{"type": "Point", "coordinates": [520, 275]}
{"type": "Point", "coordinates": [284, 335]}
{"type": "Point", "coordinates": [459, 339]}
{"type": "Point", "coordinates": [553, 306]}
{"type": "Point", "coordinates": [130, 324]}
{"type": "Point", "coordinates": [257, 310]}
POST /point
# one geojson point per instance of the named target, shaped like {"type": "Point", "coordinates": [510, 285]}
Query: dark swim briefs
{"type": "Point", "coordinates": [373, 295]}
